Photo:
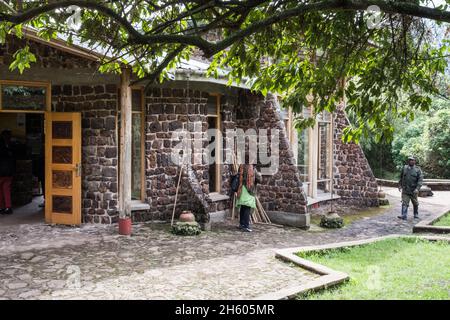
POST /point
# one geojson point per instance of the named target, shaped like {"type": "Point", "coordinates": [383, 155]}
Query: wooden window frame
{"type": "Point", "coordinates": [313, 153]}
{"type": "Point", "coordinates": [329, 145]}
{"type": "Point", "coordinates": [142, 112]}
{"type": "Point", "coordinates": [35, 84]}
{"type": "Point", "coordinates": [218, 141]}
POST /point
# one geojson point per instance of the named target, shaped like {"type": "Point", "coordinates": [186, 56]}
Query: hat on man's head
{"type": "Point", "coordinates": [411, 158]}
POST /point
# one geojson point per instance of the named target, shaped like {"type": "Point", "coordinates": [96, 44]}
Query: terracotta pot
{"type": "Point", "coordinates": [187, 216]}
{"type": "Point", "coordinates": [125, 226]}
{"type": "Point", "coordinates": [381, 194]}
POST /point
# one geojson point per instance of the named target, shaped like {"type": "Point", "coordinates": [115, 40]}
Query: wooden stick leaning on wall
{"type": "Point", "coordinates": [235, 169]}
{"type": "Point", "coordinates": [176, 194]}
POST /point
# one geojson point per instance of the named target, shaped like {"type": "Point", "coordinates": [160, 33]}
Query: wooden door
{"type": "Point", "coordinates": [63, 168]}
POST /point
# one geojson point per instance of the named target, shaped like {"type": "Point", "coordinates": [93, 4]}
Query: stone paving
{"type": "Point", "coordinates": [91, 262]}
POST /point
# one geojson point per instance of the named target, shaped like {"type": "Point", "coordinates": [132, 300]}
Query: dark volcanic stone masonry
{"type": "Point", "coordinates": [98, 107]}
{"type": "Point", "coordinates": [46, 56]}
{"type": "Point", "coordinates": [282, 191]}
{"type": "Point", "coordinates": [353, 179]}
{"type": "Point", "coordinates": [170, 109]}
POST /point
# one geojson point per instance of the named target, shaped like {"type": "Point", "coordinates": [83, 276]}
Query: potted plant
{"type": "Point", "coordinates": [186, 226]}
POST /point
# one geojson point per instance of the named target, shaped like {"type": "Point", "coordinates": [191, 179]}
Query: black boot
{"type": "Point", "coordinates": [2, 211]}
{"type": "Point", "coordinates": [416, 212]}
{"type": "Point", "coordinates": [8, 211]}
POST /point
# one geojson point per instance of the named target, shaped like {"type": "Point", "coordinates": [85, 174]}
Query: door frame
{"type": "Point", "coordinates": [77, 152]}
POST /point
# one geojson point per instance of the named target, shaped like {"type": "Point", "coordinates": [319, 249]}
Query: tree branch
{"type": "Point", "coordinates": [34, 12]}
{"type": "Point", "coordinates": [210, 48]}
{"type": "Point", "coordinates": [393, 7]}
{"type": "Point", "coordinates": [168, 58]}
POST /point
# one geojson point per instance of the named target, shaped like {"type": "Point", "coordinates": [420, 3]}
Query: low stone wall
{"type": "Point", "coordinates": [429, 227]}
{"type": "Point", "coordinates": [433, 184]}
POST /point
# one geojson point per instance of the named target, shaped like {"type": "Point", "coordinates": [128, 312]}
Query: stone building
{"type": "Point", "coordinates": [109, 145]}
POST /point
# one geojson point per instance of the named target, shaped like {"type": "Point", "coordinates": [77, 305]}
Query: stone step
{"type": "Point", "coordinates": [219, 216]}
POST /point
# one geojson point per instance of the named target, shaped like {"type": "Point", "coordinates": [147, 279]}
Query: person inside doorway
{"type": "Point", "coordinates": [7, 169]}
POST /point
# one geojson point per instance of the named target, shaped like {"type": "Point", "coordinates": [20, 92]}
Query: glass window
{"type": "Point", "coordinates": [136, 157]}
{"type": "Point", "coordinates": [23, 98]}
{"type": "Point", "coordinates": [324, 156]}
{"type": "Point", "coordinates": [136, 100]}
{"type": "Point", "coordinates": [303, 162]}
{"type": "Point", "coordinates": [212, 105]}
{"type": "Point", "coordinates": [324, 116]}
{"type": "Point", "coordinates": [300, 147]}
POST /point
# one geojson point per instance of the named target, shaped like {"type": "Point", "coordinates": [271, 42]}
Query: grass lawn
{"type": "Point", "coordinates": [398, 268]}
{"type": "Point", "coordinates": [444, 221]}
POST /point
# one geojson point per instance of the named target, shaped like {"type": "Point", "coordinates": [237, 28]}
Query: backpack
{"type": "Point", "coordinates": [235, 182]}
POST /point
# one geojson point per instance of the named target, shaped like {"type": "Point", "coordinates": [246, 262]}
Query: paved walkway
{"type": "Point", "coordinates": [91, 262]}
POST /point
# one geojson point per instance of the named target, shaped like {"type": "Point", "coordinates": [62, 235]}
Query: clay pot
{"type": "Point", "coordinates": [381, 194]}
{"type": "Point", "coordinates": [125, 226]}
{"type": "Point", "coordinates": [187, 216]}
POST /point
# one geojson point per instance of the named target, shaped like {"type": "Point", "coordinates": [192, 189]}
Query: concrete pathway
{"type": "Point", "coordinates": [91, 262]}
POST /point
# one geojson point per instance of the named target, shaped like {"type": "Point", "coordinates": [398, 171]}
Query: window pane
{"type": "Point", "coordinates": [62, 179]}
{"type": "Point", "coordinates": [306, 112]}
{"type": "Point", "coordinates": [62, 204]}
{"type": "Point", "coordinates": [212, 105]}
{"type": "Point", "coordinates": [324, 152]}
{"type": "Point", "coordinates": [62, 154]}
{"type": "Point", "coordinates": [23, 98]}
{"type": "Point", "coordinates": [303, 162]}
{"type": "Point", "coordinates": [324, 116]}
{"type": "Point", "coordinates": [136, 167]}
{"type": "Point", "coordinates": [136, 100]}
{"type": "Point", "coordinates": [62, 130]}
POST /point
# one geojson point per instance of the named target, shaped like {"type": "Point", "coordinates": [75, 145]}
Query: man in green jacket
{"type": "Point", "coordinates": [411, 179]}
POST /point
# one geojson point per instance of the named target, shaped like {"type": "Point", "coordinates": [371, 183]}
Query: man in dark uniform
{"type": "Point", "coordinates": [411, 180]}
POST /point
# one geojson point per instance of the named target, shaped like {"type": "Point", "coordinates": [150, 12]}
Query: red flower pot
{"type": "Point", "coordinates": [125, 226]}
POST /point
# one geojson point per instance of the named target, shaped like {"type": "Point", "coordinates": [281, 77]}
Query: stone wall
{"type": "Point", "coordinates": [354, 181]}
{"type": "Point", "coordinates": [282, 191]}
{"type": "Point", "coordinates": [98, 107]}
{"type": "Point", "coordinates": [166, 111]}
{"type": "Point", "coordinates": [46, 56]}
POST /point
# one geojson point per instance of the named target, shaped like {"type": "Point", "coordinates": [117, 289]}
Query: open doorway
{"type": "Point", "coordinates": [28, 182]}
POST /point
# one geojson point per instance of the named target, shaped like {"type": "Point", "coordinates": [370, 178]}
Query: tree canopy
{"type": "Point", "coordinates": [313, 52]}
{"type": "Point", "coordinates": [427, 138]}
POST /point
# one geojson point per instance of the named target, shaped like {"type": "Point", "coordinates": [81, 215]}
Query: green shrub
{"type": "Point", "coordinates": [186, 228]}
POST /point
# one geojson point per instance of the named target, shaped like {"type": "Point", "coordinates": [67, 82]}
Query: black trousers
{"type": "Point", "coordinates": [244, 216]}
